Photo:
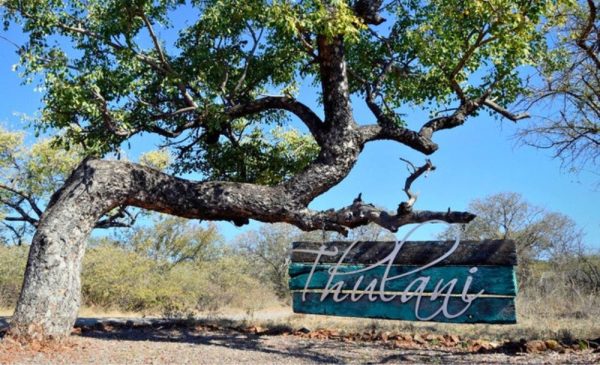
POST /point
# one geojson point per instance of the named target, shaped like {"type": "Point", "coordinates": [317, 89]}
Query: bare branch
{"type": "Point", "coordinates": [359, 214]}
{"type": "Point", "coordinates": [25, 196]}
{"type": "Point", "coordinates": [406, 207]}
{"type": "Point", "coordinates": [24, 216]}
{"type": "Point", "coordinates": [17, 234]}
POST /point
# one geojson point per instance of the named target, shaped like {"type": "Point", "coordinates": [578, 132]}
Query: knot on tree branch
{"type": "Point", "coordinates": [368, 10]}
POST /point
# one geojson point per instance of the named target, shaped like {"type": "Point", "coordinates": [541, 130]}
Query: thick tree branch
{"type": "Point", "coordinates": [303, 112]}
{"type": "Point", "coordinates": [368, 10]}
{"type": "Point", "coordinates": [451, 121]}
{"type": "Point", "coordinates": [117, 183]}
{"type": "Point", "coordinates": [388, 131]}
{"type": "Point", "coordinates": [334, 82]}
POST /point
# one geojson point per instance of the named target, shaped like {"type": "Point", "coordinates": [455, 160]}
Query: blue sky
{"type": "Point", "coordinates": [475, 160]}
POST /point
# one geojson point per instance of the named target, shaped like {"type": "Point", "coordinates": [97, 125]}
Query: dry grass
{"type": "Point", "coordinates": [539, 317]}
{"type": "Point", "coordinates": [87, 312]}
{"type": "Point", "coordinates": [528, 328]}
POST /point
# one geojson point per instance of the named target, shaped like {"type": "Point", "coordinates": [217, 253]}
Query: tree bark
{"type": "Point", "coordinates": [50, 297]}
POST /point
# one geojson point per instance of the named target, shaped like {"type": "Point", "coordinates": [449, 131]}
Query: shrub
{"type": "Point", "coordinates": [12, 267]}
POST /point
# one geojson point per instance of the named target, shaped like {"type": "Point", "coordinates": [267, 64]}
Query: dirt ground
{"type": "Point", "coordinates": [159, 342]}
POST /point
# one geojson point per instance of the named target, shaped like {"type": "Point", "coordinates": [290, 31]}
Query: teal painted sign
{"type": "Point", "coordinates": [442, 281]}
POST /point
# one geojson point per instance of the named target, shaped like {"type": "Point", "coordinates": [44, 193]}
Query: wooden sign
{"type": "Point", "coordinates": [442, 281]}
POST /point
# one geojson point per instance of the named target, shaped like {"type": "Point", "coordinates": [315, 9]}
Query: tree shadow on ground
{"type": "Point", "coordinates": [302, 349]}
{"type": "Point", "coordinates": [221, 338]}
{"type": "Point", "coordinates": [280, 341]}
{"type": "Point", "coordinates": [3, 325]}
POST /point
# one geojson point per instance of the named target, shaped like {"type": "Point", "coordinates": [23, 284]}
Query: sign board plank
{"type": "Point", "coordinates": [494, 310]}
{"type": "Point", "coordinates": [487, 252]}
{"type": "Point", "coordinates": [442, 281]}
{"type": "Point", "coordinates": [489, 279]}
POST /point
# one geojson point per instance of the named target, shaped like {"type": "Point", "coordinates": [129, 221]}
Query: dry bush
{"type": "Point", "coordinates": [115, 278]}
{"type": "Point", "coordinates": [118, 279]}
{"type": "Point", "coordinates": [12, 268]}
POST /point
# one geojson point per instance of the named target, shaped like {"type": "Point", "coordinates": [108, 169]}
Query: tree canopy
{"type": "Point", "coordinates": [218, 80]}
{"type": "Point", "coordinates": [108, 74]}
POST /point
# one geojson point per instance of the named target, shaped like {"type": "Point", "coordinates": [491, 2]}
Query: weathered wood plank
{"type": "Point", "coordinates": [482, 310]}
{"type": "Point", "coordinates": [498, 280]}
{"type": "Point", "coordinates": [473, 253]}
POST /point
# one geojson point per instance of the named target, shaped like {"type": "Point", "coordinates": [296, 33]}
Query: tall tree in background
{"type": "Point", "coordinates": [270, 247]}
{"type": "Point", "coordinates": [536, 232]}
{"type": "Point", "coordinates": [215, 83]}
{"type": "Point", "coordinates": [570, 92]}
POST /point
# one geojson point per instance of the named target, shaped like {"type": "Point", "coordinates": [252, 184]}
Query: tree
{"type": "Point", "coordinates": [109, 73]}
{"type": "Point", "coordinates": [28, 176]}
{"type": "Point", "coordinates": [270, 246]}
{"type": "Point", "coordinates": [571, 88]}
{"type": "Point", "coordinates": [537, 233]}
{"type": "Point", "coordinates": [174, 240]}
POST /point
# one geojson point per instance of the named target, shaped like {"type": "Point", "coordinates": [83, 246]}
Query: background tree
{"type": "Point", "coordinates": [538, 234]}
{"type": "Point", "coordinates": [570, 89]}
{"type": "Point", "coordinates": [206, 84]}
{"type": "Point", "coordinates": [30, 174]}
{"type": "Point", "coordinates": [174, 240]}
{"type": "Point", "coordinates": [270, 246]}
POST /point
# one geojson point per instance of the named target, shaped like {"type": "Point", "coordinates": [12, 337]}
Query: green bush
{"type": "Point", "coordinates": [115, 278]}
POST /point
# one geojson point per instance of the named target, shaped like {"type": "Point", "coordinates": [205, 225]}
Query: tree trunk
{"type": "Point", "coordinates": [50, 297]}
